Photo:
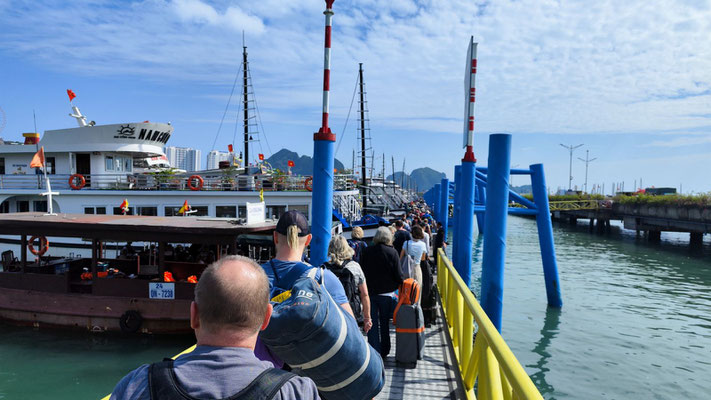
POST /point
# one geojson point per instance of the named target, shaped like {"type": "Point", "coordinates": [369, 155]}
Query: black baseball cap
{"type": "Point", "coordinates": [293, 217]}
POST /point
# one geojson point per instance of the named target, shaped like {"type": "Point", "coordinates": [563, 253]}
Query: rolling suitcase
{"type": "Point", "coordinates": [409, 325]}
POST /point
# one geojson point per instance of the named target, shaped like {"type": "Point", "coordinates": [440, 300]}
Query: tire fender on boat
{"type": "Point", "coordinates": [308, 184]}
{"type": "Point", "coordinates": [130, 321]}
{"type": "Point", "coordinates": [200, 182]}
{"type": "Point", "coordinates": [73, 181]}
{"type": "Point", "coordinates": [43, 245]}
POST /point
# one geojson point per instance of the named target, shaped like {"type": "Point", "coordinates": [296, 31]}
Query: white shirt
{"type": "Point", "coordinates": [416, 248]}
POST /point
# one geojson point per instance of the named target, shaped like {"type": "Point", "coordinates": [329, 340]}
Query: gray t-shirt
{"type": "Point", "coordinates": [357, 272]}
{"type": "Point", "coordinates": [214, 373]}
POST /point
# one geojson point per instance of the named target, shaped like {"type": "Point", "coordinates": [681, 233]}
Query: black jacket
{"type": "Point", "coordinates": [381, 266]}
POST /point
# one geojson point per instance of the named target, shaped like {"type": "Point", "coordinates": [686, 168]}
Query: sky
{"type": "Point", "coordinates": [627, 79]}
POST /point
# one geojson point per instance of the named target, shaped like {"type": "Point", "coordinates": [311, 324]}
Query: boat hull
{"type": "Point", "coordinates": [93, 313]}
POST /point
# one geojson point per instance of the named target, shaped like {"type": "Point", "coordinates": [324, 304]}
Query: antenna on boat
{"type": "Point", "coordinates": [245, 94]}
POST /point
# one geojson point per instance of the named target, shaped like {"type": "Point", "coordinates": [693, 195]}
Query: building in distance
{"type": "Point", "coordinates": [184, 158]}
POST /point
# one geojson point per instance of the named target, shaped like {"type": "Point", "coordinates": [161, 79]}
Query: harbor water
{"type": "Point", "coordinates": [635, 324]}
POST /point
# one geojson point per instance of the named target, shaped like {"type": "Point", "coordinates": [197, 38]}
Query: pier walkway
{"type": "Point", "coordinates": [436, 375]}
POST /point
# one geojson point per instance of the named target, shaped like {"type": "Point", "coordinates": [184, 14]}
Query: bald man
{"type": "Point", "coordinates": [231, 307]}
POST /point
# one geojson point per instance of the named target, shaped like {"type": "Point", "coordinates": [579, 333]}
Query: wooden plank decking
{"type": "Point", "coordinates": [435, 377]}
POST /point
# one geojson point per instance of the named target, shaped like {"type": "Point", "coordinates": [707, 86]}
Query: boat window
{"type": "Point", "coordinates": [23, 206]}
{"type": "Point", "coordinates": [39, 206]}
{"type": "Point", "coordinates": [226, 211]}
{"type": "Point", "coordinates": [127, 164]}
{"type": "Point", "coordinates": [95, 210]}
{"type": "Point", "coordinates": [117, 211]}
{"type": "Point", "coordinates": [4, 207]}
{"type": "Point", "coordinates": [274, 212]}
{"type": "Point", "coordinates": [152, 211]}
{"type": "Point", "coordinates": [51, 166]}
{"type": "Point", "coordinates": [2, 166]}
{"type": "Point", "coordinates": [304, 209]}
{"type": "Point", "coordinates": [200, 211]}
{"type": "Point", "coordinates": [88, 210]}
{"type": "Point", "coordinates": [109, 163]}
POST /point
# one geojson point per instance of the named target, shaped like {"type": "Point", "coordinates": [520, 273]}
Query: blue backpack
{"type": "Point", "coordinates": [316, 337]}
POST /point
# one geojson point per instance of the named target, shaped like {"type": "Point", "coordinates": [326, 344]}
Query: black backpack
{"type": "Point", "coordinates": [349, 285]}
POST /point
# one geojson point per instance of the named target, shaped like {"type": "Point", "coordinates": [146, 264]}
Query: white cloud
{"type": "Point", "coordinates": [680, 141]}
{"type": "Point", "coordinates": [233, 17]}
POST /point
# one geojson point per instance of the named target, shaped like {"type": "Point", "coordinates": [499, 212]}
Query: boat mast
{"type": "Point", "coordinates": [246, 107]}
{"type": "Point", "coordinates": [364, 187]}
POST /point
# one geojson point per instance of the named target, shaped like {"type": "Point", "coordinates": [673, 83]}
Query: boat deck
{"type": "Point", "coordinates": [436, 374]}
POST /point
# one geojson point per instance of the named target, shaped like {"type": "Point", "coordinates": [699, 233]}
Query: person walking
{"type": "Point", "coordinates": [352, 278]}
{"type": "Point", "coordinates": [231, 307]}
{"type": "Point", "coordinates": [357, 243]}
{"type": "Point", "coordinates": [401, 236]}
{"type": "Point", "coordinates": [417, 249]}
{"type": "Point", "coordinates": [381, 266]}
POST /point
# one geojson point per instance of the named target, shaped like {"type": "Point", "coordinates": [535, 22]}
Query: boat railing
{"type": "Point", "coordinates": [166, 181]}
{"type": "Point", "coordinates": [486, 361]}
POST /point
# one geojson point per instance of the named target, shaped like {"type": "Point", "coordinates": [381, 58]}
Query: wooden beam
{"type": "Point", "coordinates": [161, 258]}
{"type": "Point", "coordinates": [23, 252]}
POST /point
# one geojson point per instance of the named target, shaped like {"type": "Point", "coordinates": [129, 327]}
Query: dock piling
{"type": "Point", "coordinates": [545, 236]}
{"type": "Point", "coordinates": [464, 234]}
{"type": "Point", "coordinates": [444, 206]}
{"type": "Point", "coordinates": [497, 203]}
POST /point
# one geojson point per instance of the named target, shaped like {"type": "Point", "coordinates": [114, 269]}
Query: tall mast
{"type": "Point", "coordinates": [364, 188]}
{"type": "Point", "coordinates": [245, 100]}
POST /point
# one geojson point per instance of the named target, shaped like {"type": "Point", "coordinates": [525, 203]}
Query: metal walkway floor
{"type": "Point", "coordinates": [435, 376]}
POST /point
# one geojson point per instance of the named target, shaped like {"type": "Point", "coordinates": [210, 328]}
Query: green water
{"type": "Point", "coordinates": [636, 319]}
{"type": "Point", "coordinates": [636, 324]}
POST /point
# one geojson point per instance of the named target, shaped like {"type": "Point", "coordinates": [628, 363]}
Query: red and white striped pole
{"type": "Point", "coordinates": [324, 143]}
{"type": "Point", "coordinates": [325, 132]}
{"type": "Point", "coordinates": [471, 83]}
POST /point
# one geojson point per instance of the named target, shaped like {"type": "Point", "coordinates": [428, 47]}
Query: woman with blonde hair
{"type": "Point", "coordinates": [357, 243]}
{"type": "Point", "coordinates": [352, 278]}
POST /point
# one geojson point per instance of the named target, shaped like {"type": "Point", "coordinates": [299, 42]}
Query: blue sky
{"type": "Point", "coordinates": [630, 80]}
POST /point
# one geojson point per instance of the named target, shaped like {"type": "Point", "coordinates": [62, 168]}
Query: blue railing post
{"type": "Point", "coordinates": [456, 215]}
{"type": "Point", "coordinates": [497, 203]}
{"type": "Point", "coordinates": [465, 221]}
{"type": "Point", "coordinates": [545, 236]}
{"type": "Point", "coordinates": [444, 205]}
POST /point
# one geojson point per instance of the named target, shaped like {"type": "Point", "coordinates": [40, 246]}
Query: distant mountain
{"type": "Point", "coordinates": [303, 165]}
{"type": "Point", "coordinates": [421, 178]}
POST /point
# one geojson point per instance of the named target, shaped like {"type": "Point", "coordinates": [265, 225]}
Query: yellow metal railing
{"type": "Point", "coordinates": [488, 361]}
{"type": "Point", "coordinates": [574, 205]}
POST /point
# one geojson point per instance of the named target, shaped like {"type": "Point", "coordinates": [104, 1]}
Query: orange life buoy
{"type": "Point", "coordinates": [43, 246]}
{"type": "Point", "coordinates": [74, 178]}
{"type": "Point", "coordinates": [200, 182]}
{"type": "Point", "coordinates": [308, 184]}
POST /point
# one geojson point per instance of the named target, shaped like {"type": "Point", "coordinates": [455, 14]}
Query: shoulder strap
{"type": "Point", "coordinates": [265, 386]}
{"type": "Point", "coordinates": [162, 384]}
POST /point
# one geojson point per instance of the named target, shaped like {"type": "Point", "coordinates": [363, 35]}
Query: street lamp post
{"type": "Point", "coordinates": [570, 168]}
{"type": "Point", "coordinates": [587, 161]}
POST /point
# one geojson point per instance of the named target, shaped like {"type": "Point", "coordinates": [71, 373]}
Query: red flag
{"type": "Point", "coordinates": [290, 163]}
{"type": "Point", "coordinates": [229, 147]}
{"type": "Point", "coordinates": [38, 159]}
{"type": "Point", "coordinates": [124, 206]}
{"type": "Point", "coordinates": [71, 94]}
{"type": "Point", "coordinates": [261, 157]}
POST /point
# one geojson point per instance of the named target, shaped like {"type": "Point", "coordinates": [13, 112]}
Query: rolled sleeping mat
{"type": "Point", "coordinates": [319, 340]}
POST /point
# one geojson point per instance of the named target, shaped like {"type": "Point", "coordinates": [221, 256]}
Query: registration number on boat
{"type": "Point", "coordinates": [161, 290]}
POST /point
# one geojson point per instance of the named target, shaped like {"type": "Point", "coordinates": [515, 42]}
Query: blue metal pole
{"type": "Point", "coordinates": [322, 201]}
{"type": "Point", "coordinates": [456, 215]}
{"type": "Point", "coordinates": [545, 236]}
{"type": "Point", "coordinates": [465, 222]}
{"type": "Point", "coordinates": [497, 192]}
{"type": "Point", "coordinates": [435, 208]}
{"type": "Point", "coordinates": [444, 205]}
{"type": "Point", "coordinates": [324, 139]}
{"type": "Point", "coordinates": [481, 192]}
